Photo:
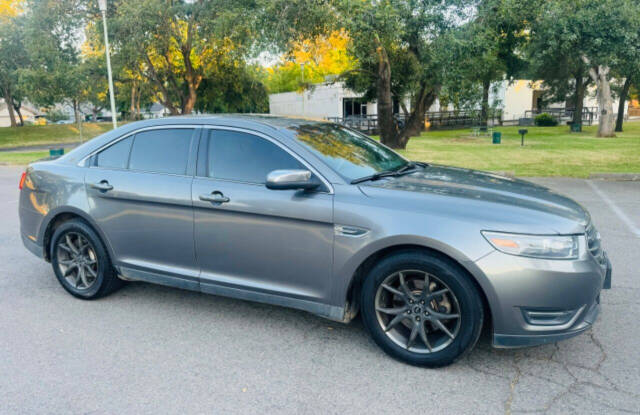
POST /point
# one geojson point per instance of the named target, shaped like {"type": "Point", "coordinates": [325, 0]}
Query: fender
{"type": "Point", "coordinates": [60, 210]}
{"type": "Point", "coordinates": [348, 270]}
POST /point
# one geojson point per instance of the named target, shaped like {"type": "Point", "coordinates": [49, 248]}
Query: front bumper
{"type": "Point", "coordinates": [536, 301]}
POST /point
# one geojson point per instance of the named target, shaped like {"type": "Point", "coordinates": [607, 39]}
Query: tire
{"type": "Point", "coordinates": [93, 259]}
{"type": "Point", "coordinates": [429, 346]}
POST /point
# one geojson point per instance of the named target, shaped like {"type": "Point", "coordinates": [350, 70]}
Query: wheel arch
{"type": "Point", "coordinates": [57, 217]}
{"type": "Point", "coordinates": [474, 274]}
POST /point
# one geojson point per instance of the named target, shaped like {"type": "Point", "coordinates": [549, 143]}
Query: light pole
{"type": "Point", "coordinates": [303, 87]}
{"type": "Point", "coordinates": [103, 9]}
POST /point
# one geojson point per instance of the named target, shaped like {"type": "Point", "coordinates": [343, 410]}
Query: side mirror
{"type": "Point", "coordinates": [291, 180]}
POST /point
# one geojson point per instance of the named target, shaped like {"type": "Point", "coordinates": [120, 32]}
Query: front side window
{"type": "Point", "coordinates": [351, 154]}
{"type": "Point", "coordinates": [244, 157]}
{"type": "Point", "coordinates": [161, 151]}
{"type": "Point", "coordinates": [115, 156]}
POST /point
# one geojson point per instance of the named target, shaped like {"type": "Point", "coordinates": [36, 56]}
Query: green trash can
{"type": "Point", "coordinates": [576, 127]}
{"type": "Point", "coordinates": [56, 152]}
{"type": "Point", "coordinates": [497, 137]}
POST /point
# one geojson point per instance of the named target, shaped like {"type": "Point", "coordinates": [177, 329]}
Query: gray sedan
{"type": "Point", "coordinates": [315, 216]}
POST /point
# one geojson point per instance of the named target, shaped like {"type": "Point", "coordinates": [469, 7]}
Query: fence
{"type": "Point", "coordinates": [436, 120]}
{"type": "Point", "coordinates": [589, 114]}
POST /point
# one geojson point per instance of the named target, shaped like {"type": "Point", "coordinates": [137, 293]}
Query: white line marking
{"type": "Point", "coordinates": [623, 217]}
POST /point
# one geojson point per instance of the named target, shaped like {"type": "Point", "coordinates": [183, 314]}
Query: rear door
{"type": "Point", "coordinates": [139, 192]}
{"type": "Point", "coordinates": [266, 241]}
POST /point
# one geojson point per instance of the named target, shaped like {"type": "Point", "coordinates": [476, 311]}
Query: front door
{"type": "Point", "coordinates": [139, 192]}
{"type": "Point", "coordinates": [250, 239]}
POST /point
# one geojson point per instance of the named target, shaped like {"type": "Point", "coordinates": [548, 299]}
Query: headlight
{"type": "Point", "coordinates": [536, 246]}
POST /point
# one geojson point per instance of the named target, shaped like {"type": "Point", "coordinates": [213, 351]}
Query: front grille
{"type": "Point", "coordinates": [594, 243]}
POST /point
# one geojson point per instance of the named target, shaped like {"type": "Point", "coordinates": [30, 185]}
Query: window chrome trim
{"type": "Point", "coordinates": [277, 143]}
{"type": "Point", "coordinates": [82, 162]}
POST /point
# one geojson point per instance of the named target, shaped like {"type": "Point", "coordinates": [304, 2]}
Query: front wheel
{"type": "Point", "coordinates": [421, 308]}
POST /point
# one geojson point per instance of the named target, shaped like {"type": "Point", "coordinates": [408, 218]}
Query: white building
{"type": "Point", "coordinates": [330, 100]}
{"type": "Point", "coordinates": [333, 100]}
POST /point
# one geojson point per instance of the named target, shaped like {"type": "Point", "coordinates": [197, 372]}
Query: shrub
{"type": "Point", "coordinates": [56, 115]}
{"type": "Point", "coordinates": [545, 120]}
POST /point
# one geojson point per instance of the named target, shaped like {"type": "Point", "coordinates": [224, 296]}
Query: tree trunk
{"type": "Point", "coordinates": [138, 116]}
{"type": "Point", "coordinates": [624, 94]}
{"type": "Point", "coordinates": [386, 124]}
{"type": "Point", "coordinates": [76, 114]}
{"type": "Point", "coordinates": [415, 122]}
{"type": "Point", "coordinates": [191, 99]}
{"type": "Point", "coordinates": [132, 106]}
{"type": "Point", "coordinates": [94, 114]}
{"type": "Point", "coordinates": [600, 75]}
{"type": "Point", "coordinates": [19, 112]}
{"type": "Point", "coordinates": [578, 104]}
{"type": "Point", "coordinates": [484, 112]}
{"type": "Point", "coordinates": [8, 99]}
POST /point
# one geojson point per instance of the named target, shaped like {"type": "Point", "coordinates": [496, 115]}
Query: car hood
{"type": "Point", "coordinates": [471, 186]}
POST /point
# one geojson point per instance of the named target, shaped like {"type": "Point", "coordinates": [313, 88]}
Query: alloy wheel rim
{"type": "Point", "coordinates": [77, 260]}
{"type": "Point", "coordinates": [417, 311]}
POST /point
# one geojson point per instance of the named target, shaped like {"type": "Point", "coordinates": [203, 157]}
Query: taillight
{"type": "Point", "coordinates": [24, 176]}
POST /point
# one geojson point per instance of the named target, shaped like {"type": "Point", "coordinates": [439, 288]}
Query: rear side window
{"type": "Point", "coordinates": [161, 151]}
{"type": "Point", "coordinates": [244, 157]}
{"type": "Point", "coordinates": [115, 156]}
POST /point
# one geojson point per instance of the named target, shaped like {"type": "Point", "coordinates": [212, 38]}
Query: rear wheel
{"type": "Point", "coordinates": [421, 308]}
{"type": "Point", "coordinates": [80, 261]}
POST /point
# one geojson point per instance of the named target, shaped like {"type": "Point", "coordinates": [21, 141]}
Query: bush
{"type": "Point", "coordinates": [56, 115]}
{"type": "Point", "coordinates": [545, 120]}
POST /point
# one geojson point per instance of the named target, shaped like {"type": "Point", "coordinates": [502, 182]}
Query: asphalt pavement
{"type": "Point", "coordinates": [152, 349]}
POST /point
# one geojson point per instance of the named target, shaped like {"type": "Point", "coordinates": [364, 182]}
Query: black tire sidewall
{"type": "Point", "coordinates": [471, 310]}
{"type": "Point", "coordinates": [104, 265]}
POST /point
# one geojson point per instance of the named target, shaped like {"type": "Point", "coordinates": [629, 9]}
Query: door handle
{"type": "Point", "coordinates": [103, 186]}
{"type": "Point", "coordinates": [214, 197]}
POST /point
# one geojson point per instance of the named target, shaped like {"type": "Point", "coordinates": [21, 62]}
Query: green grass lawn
{"type": "Point", "coordinates": [21, 158]}
{"type": "Point", "coordinates": [49, 134]}
{"type": "Point", "coordinates": [548, 151]}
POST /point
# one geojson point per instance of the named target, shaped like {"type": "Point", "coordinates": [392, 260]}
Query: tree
{"type": "Point", "coordinates": [487, 48]}
{"type": "Point", "coordinates": [237, 89]}
{"type": "Point", "coordinates": [400, 50]}
{"type": "Point", "coordinates": [54, 74]}
{"type": "Point", "coordinates": [555, 55]}
{"type": "Point", "coordinates": [12, 57]}
{"type": "Point", "coordinates": [579, 38]}
{"type": "Point", "coordinates": [318, 57]}
{"type": "Point", "coordinates": [182, 43]}
{"type": "Point", "coordinates": [627, 68]}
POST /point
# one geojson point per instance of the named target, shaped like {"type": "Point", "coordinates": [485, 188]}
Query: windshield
{"type": "Point", "coordinates": [351, 154]}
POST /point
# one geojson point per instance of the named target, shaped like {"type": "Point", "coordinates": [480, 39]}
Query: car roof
{"type": "Point", "coordinates": [275, 121]}
{"type": "Point", "coordinates": [258, 122]}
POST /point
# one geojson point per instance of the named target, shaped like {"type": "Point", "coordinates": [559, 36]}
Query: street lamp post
{"type": "Point", "coordinates": [103, 9]}
{"type": "Point", "coordinates": [303, 88]}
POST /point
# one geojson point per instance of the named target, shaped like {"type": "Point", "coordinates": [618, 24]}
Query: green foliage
{"type": "Point", "coordinates": [564, 32]}
{"type": "Point", "coordinates": [236, 90]}
{"type": "Point", "coordinates": [545, 120]}
{"type": "Point", "coordinates": [13, 57]}
{"type": "Point", "coordinates": [55, 115]}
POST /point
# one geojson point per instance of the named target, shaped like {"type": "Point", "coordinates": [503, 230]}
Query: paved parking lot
{"type": "Point", "coordinates": [150, 349]}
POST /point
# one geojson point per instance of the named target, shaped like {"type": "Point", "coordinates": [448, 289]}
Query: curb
{"type": "Point", "coordinates": [627, 177]}
{"type": "Point", "coordinates": [40, 147]}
